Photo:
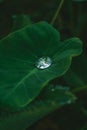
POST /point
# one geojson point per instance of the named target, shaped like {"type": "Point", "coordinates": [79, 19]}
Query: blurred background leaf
{"type": "Point", "coordinates": [52, 98]}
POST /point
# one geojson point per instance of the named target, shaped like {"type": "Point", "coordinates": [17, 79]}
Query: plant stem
{"type": "Point", "coordinates": [57, 12]}
{"type": "Point", "coordinates": [79, 89]}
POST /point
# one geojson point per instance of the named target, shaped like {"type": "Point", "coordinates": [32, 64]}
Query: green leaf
{"type": "Point", "coordinates": [20, 80]}
{"type": "Point", "coordinates": [53, 98]}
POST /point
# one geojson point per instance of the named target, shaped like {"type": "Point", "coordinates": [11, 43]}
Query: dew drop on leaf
{"type": "Point", "coordinates": [43, 63]}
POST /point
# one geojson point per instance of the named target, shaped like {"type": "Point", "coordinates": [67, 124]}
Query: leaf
{"type": "Point", "coordinates": [53, 97]}
{"type": "Point", "coordinates": [20, 80]}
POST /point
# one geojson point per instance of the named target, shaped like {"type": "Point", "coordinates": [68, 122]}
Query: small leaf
{"type": "Point", "coordinates": [20, 80]}
{"type": "Point", "coordinates": [51, 100]}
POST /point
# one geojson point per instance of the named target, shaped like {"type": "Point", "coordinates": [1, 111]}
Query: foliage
{"type": "Point", "coordinates": [52, 98]}
{"type": "Point", "coordinates": [19, 53]}
{"type": "Point", "coordinates": [28, 93]}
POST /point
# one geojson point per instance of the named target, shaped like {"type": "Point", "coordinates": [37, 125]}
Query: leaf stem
{"type": "Point", "coordinates": [76, 90]}
{"type": "Point", "coordinates": [57, 12]}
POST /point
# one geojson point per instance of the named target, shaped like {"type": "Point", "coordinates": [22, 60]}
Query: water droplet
{"type": "Point", "coordinates": [43, 63]}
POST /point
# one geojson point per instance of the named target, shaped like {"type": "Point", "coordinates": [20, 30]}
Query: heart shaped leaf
{"type": "Point", "coordinates": [20, 79]}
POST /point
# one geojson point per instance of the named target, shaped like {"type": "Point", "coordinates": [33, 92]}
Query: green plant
{"type": "Point", "coordinates": [31, 57]}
